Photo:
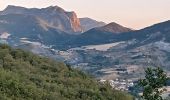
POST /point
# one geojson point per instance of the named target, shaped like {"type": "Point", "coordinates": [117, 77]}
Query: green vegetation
{"type": "Point", "coordinates": [153, 84]}
{"type": "Point", "coordinates": [25, 76]}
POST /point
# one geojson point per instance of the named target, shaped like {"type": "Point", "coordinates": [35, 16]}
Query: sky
{"type": "Point", "coordinates": [135, 14]}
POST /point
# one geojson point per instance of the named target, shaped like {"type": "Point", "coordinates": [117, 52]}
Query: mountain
{"type": "Point", "coordinates": [61, 27]}
{"type": "Point", "coordinates": [116, 33]}
{"type": "Point", "coordinates": [113, 28]}
{"type": "Point", "coordinates": [53, 15]}
{"type": "Point", "coordinates": [98, 51]}
{"type": "Point", "coordinates": [151, 34]}
{"type": "Point", "coordinates": [31, 28]}
{"type": "Point", "coordinates": [88, 23]}
{"type": "Point", "coordinates": [105, 54]}
{"type": "Point", "coordinates": [100, 35]}
{"type": "Point", "coordinates": [24, 75]}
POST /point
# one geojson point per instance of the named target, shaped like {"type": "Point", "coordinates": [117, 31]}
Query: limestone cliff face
{"type": "Point", "coordinates": [75, 22]}
{"type": "Point", "coordinates": [53, 15]}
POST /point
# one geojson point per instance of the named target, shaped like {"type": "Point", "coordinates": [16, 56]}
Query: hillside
{"type": "Point", "coordinates": [24, 75]}
{"type": "Point", "coordinates": [32, 28]}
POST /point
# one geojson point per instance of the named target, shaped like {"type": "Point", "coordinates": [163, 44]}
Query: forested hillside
{"type": "Point", "coordinates": [25, 76]}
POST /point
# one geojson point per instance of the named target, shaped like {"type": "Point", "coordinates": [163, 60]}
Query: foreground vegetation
{"type": "Point", "coordinates": [153, 83]}
{"type": "Point", "coordinates": [25, 76]}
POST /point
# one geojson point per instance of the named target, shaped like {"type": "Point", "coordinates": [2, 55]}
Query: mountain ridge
{"type": "Point", "coordinates": [53, 15]}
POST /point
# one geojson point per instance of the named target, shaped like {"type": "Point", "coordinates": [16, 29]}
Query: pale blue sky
{"type": "Point", "coordinates": [131, 13]}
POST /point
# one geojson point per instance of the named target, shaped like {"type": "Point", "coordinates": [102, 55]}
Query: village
{"type": "Point", "coordinates": [119, 84]}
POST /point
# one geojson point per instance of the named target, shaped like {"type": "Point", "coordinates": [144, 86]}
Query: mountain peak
{"type": "Point", "coordinates": [54, 15]}
{"type": "Point", "coordinates": [13, 6]}
{"type": "Point", "coordinates": [56, 8]}
{"type": "Point", "coordinates": [114, 28]}
{"type": "Point", "coordinates": [113, 24]}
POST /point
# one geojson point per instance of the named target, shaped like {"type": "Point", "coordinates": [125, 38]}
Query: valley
{"type": "Point", "coordinates": [84, 50]}
{"type": "Point", "coordinates": [105, 51]}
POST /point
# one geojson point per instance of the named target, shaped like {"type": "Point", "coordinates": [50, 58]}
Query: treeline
{"type": "Point", "coordinates": [26, 76]}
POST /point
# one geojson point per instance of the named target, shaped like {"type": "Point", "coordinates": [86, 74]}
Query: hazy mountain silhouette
{"type": "Point", "coordinates": [88, 23]}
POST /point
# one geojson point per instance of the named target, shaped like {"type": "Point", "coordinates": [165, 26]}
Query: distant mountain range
{"type": "Point", "coordinates": [56, 17]}
{"type": "Point", "coordinates": [48, 31]}
{"type": "Point", "coordinates": [53, 26]}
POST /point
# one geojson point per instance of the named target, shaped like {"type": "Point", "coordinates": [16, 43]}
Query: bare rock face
{"type": "Point", "coordinates": [53, 15]}
{"type": "Point", "coordinates": [75, 22]}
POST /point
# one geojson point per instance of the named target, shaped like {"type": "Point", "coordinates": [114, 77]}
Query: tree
{"type": "Point", "coordinates": [155, 80]}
